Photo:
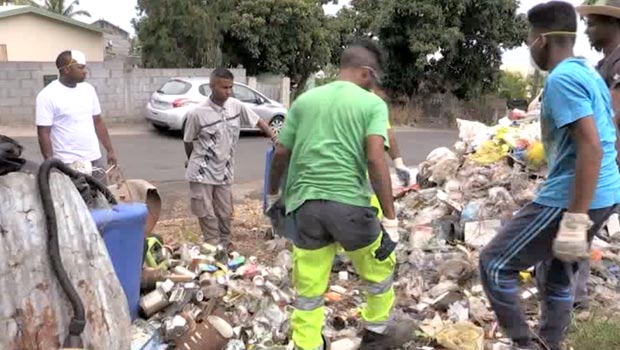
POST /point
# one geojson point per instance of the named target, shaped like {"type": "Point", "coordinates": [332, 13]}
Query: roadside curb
{"type": "Point", "coordinates": [113, 129]}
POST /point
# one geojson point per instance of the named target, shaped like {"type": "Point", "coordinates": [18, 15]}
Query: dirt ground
{"type": "Point", "coordinates": [249, 235]}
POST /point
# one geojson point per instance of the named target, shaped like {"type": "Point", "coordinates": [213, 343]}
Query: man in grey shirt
{"type": "Point", "coordinates": [211, 135]}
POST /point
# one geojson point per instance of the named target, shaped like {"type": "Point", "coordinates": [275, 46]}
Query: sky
{"type": "Point", "coordinates": [120, 13]}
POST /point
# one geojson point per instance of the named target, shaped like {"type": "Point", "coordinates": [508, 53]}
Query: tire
{"type": "Point", "coordinates": [276, 124]}
{"type": "Point", "coordinates": [160, 128]}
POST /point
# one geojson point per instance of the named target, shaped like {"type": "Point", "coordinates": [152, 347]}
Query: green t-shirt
{"type": "Point", "coordinates": [326, 130]}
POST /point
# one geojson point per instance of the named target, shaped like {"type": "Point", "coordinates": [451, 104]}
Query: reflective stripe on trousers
{"type": "Point", "coordinates": [311, 272]}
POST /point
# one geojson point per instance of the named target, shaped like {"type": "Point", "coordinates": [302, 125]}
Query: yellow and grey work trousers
{"type": "Point", "coordinates": [320, 226]}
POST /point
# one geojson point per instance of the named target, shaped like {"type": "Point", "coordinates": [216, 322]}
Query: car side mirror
{"type": "Point", "coordinates": [260, 100]}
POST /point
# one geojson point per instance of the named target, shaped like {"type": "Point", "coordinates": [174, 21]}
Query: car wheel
{"type": "Point", "coordinates": [160, 127]}
{"type": "Point", "coordinates": [276, 124]}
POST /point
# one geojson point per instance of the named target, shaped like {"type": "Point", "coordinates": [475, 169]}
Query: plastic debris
{"type": "Point", "coordinates": [461, 336]}
{"type": "Point", "coordinates": [461, 199]}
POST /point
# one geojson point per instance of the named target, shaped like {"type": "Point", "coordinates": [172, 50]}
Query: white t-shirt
{"type": "Point", "coordinates": [70, 111]}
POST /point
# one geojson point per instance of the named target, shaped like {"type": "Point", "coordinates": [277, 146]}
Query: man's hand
{"type": "Point", "coordinates": [391, 227]}
{"type": "Point", "coordinates": [571, 243]}
{"type": "Point", "coordinates": [279, 162]}
{"type": "Point", "coordinates": [402, 172]}
{"type": "Point", "coordinates": [112, 160]}
{"type": "Point", "coordinates": [264, 127]}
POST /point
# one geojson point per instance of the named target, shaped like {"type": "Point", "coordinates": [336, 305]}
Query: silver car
{"type": "Point", "coordinates": [168, 106]}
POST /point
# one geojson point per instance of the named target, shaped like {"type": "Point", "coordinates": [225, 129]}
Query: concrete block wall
{"type": "Point", "coordinates": [123, 91]}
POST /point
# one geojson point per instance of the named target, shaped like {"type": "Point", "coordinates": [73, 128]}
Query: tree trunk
{"type": "Point", "coordinates": [34, 311]}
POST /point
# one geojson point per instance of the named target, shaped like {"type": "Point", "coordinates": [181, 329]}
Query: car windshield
{"type": "Point", "coordinates": [174, 87]}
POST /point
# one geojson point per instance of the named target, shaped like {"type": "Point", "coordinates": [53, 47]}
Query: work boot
{"type": "Point", "coordinates": [396, 336]}
{"type": "Point", "coordinates": [536, 344]}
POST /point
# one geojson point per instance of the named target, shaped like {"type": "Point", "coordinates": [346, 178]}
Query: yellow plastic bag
{"type": "Point", "coordinates": [461, 336]}
{"type": "Point", "coordinates": [508, 136]}
{"type": "Point", "coordinates": [490, 152]}
{"type": "Point", "coordinates": [535, 155]}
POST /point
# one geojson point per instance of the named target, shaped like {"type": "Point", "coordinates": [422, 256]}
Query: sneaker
{"type": "Point", "coordinates": [396, 336]}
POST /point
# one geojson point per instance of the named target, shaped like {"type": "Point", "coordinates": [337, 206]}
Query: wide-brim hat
{"type": "Point", "coordinates": [610, 8]}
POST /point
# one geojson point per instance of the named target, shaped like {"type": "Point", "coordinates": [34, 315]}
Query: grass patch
{"type": "Point", "coordinates": [599, 332]}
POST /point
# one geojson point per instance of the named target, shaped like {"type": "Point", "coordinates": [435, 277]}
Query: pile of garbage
{"type": "Point", "coordinates": [464, 195]}
{"type": "Point", "coordinates": [201, 297]}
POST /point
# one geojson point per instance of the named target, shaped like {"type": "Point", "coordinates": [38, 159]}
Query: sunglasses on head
{"type": "Point", "coordinates": [550, 34]}
{"type": "Point", "coordinates": [375, 75]}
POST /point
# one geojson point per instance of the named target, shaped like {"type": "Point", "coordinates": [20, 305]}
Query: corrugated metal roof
{"type": "Point", "coordinates": [9, 11]}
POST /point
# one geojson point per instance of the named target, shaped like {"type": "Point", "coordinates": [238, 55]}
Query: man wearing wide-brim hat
{"type": "Point", "coordinates": [603, 21]}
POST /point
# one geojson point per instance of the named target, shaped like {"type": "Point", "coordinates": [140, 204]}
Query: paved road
{"type": "Point", "coordinates": [159, 158]}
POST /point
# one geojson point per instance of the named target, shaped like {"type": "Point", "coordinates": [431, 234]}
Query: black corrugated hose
{"type": "Point", "coordinates": [78, 322]}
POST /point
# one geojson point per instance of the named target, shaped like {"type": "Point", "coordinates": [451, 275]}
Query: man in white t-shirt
{"type": "Point", "coordinates": [68, 116]}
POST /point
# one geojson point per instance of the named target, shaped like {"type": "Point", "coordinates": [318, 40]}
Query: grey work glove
{"type": "Point", "coordinates": [402, 172]}
{"type": "Point", "coordinates": [391, 227]}
{"type": "Point", "coordinates": [571, 243]}
{"type": "Point", "coordinates": [272, 200]}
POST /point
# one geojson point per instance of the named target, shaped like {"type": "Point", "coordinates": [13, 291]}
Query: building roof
{"type": "Point", "coordinates": [9, 11]}
{"type": "Point", "coordinates": [101, 23]}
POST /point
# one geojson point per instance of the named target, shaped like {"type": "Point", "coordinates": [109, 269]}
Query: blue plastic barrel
{"type": "Point", "coordinates": [122, 229]}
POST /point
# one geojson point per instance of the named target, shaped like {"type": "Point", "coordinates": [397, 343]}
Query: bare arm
{"type": "Point", "coordinates": [189, 148]}
{"type": "Point", "coordinates": [380, 175]}
{"type": "Point", "coordinates": [394, 151]}
{"type": "Point", "coordinates": [45, 141]}
{"type": "Point", "coordinates": [264, 127]}
{"type": "Point", "coordinates": [278, 166]}
{"type": "Point", "coordinates": [104, 138]}
{"type": "Point", "coordinates": [587, 164]}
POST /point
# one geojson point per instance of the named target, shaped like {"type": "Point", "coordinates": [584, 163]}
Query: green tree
{"type": "Point", "coordinates": [513, 85]}
{"type": "Point", "coordinates": [289, 37]}
{"type": "Point", "coordinates": [439, 46]}
{"type": "Point", "coordinates": [57, 6]}
{"type": "Point", "coordinates": [181, 33]}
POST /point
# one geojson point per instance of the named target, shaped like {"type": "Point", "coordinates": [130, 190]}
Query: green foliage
{"type": "Point", "coordinates": [433, 46]}
{"type": "Point", "coordinates": [513, 86]}
{"type": "Point", "coordinates": [181, 33]}
{"type": "Point", "coordinates": [288, 37]}
{"type": "Point", "coordinates": [56, 6]}
{"type": "Point", "coordinates": [330, 74]}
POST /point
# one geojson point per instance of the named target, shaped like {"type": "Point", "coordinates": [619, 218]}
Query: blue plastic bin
{"type": "Point", "coordinates": [122, 229]}
{"type": "Point", "coordinates": [268, 157]}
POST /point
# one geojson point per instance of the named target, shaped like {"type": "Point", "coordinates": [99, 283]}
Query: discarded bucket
{"type": "Point", "coordinates": [122, 229]}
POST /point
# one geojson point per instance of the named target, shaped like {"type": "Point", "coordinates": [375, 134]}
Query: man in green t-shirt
{"type": "Point", "coordinates": [333, 136]}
